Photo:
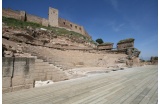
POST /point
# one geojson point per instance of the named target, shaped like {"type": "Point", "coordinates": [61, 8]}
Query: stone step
{"type": "Point", "coordinates": [44, 67]}
{"type": "Point", "coordinates": [38, 60]}
{"type": "Point", "coordinates": [42, 64]}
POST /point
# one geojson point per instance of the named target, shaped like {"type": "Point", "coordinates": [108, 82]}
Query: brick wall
{"type": "Point", "coordinates": [17, 73]}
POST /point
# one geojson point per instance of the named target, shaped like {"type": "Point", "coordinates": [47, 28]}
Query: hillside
{"type": "Point", "coordinates": [69, 51]}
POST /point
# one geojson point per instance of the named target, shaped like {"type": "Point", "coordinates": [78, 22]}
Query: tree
{"type": "Point", "coordinates": [100, 41]}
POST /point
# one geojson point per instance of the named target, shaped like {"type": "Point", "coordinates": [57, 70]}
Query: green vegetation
{"type": "Point", "coordinates": [19, 24]}
{"type": "Point", "coordinates": [126, 40]}
{"type": "Point", "coordinates": [57, 31]}
{"type": "Point", "coordinates": [100, 41]}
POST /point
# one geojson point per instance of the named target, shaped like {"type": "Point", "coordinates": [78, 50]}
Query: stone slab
{"type": "Point", "coordinates": [6, 82]}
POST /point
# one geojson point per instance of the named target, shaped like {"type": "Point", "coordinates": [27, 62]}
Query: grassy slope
{"type": "Point", "coordinates": [58, 31]}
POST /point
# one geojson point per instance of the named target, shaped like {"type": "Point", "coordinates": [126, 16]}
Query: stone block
{"type": "Point", "coordinates": [6, 90]}
{"type": "Point", "coordinates": [43, 78]}
{"type": "Point", "coordinates": [17, 88]}
{"type": "Point", "coordinates": [23, 66]}
{"type": "Point", "coordinates": [7, 66]}
{"type": "Point", "coordinates": [18, 80]}
{"type": "Point", "coordinates": [41, 74]}
{"type": "Point", "coordinates": [49, 77]}
{"type": "Point", "coordinates": [6, 82]}
{"type": "Point", "coordinates": [20, 67]}
{"type": "Point", "coordinates": [29, 81]}
{"type": "Point", "coordinates": [28, 86]}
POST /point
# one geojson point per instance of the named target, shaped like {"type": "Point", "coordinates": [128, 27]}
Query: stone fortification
{"type": "Point", "coordinates": [53, 20]}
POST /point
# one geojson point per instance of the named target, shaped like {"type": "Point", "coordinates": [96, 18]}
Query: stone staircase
{"type": "Point", "coordinates": [45, 71]}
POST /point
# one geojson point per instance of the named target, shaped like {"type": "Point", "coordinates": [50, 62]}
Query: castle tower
{"type": "Point", "coordinates": [53, 17]}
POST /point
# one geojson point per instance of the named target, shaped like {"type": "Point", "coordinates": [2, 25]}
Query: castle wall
{"type": "Point", "coordinates": [72, 26]}
{"type": "Point", "coordinates": [125, 45]}
{"type": "Point", "coordinates": [53, 20]}
{"type": "Point", "coordinates": [17, 73]}
{"type": "Point", "coordinates": [45, 22]}
{"type": "Point", "coordinates": [11, 13]}
{"type": "Point", "coordinates": [33, 18]}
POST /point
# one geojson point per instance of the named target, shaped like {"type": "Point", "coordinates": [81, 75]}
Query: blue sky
{"type": "Point", "coordinates": [111, 20]}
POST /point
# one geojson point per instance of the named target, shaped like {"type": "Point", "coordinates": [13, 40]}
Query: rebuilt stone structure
{"type": "Point", "coordinates": [17, 73]}
{"type": "Point", "coordinates": [126, 43]}
{"type": "Point", "coordinates": [53, 20]}
{"type": "Point", "coordinates": [105, 46]}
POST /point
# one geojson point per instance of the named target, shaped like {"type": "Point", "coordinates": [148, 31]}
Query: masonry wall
{"type": "Point", "coordinates": [33, 18]}
{"type": "Point", "coordinates": [105, 47]}
{"type": "Point", "coordinates": [125, 45]}
{"type": "Point", "coordinates": [45, 22]}
{"type": "Point", "coordinates": [72, 26]}
{"type": "Point", "coordinates": [11, 13]}
{"type": "Point", "coordinates": [17, 73]}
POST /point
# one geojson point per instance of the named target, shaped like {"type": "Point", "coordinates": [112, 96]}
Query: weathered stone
{"type": "Point", "coordinates": [8, 53]}
{"type": "Point", "coordinates": [17, 88]}
{"type": "Point", "coordinates": [6, 90]}
{"type": "Point", "coordinates": [28, 86]}
{"type": "Point", "coordinates": [7, 66]}
{"type": "Point", "coordinates": [29, 81]}
{"type": "Point", "coordinates": [6, 82]}
{"type": "Point", "coordinates": [18, 80]}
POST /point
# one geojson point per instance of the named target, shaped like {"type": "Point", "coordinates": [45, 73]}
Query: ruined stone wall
{"type": "Point", "coordinates": [11, 13]}
{"type": "Point", "coordinates": [125, 45]}
{"type": "Point", "coordinates": [17, 73]}
{"type": "Point", "coordinates": [33, 18]}
{"type": "Point", "coordinates": [105, 47]}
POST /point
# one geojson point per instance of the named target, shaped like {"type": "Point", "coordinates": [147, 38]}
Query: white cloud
{"type": "Point", "coordinates": [116, 27]}
{"type": "Point", "coordinates": [114, 3]}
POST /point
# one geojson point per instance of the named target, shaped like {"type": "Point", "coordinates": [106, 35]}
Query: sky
{"type": "Point", "coordinates": [111, 20]}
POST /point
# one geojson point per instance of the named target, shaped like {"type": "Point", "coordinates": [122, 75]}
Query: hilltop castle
{"type": "Point", "coordinates": [53, 20]}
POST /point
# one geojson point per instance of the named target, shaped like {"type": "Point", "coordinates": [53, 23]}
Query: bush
{"type": "Point", "coordinates": [100, 41]}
